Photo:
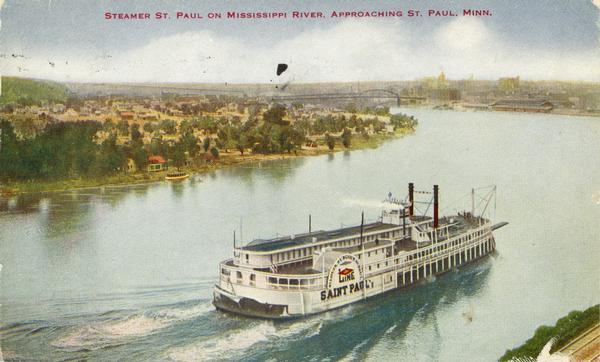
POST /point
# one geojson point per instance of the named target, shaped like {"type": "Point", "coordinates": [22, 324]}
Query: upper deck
{"type": "Point", "coordinates": [406, 231]}
{"type": "Point", "coordinates": [277, 252]}
{"type": "Point", "coordinates": [269, 245]}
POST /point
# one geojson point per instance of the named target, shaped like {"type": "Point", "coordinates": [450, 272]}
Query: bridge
{"type": "Point", "coordinates": [369, 93]}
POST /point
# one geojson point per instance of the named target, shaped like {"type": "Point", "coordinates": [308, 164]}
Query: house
{"type": "Point", "coordinates": [157, 163]}
{"type": "Point", "coordinates": [523, 105]}
{"type": "Point", "coordinates": [174, 112]}
{"type": "Point", "coordinates": [149, 117]}
{"type": "Point", "coordinates": [126, 115]}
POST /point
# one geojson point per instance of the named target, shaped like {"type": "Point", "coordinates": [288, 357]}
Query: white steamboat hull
{"type": "Point", "coordinates": [290, 302]}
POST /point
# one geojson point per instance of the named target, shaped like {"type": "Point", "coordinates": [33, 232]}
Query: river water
{"type": "Point", "coordinates": [127, 273]}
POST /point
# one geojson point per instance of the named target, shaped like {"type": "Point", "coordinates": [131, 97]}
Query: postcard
{"type": "Point", "coordinates": [299, 180]}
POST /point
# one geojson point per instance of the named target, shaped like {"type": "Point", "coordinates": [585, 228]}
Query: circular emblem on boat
{"type": "Point", "coordinates": [345, 277]}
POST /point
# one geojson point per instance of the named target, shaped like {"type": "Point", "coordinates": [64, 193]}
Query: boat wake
{"type": "Point", "coordinates": [420, 329]}
{"type": "Point", "coordinates": [237, 342]}
{"type": "Point", "coordinates": [355, 353]}
{"type": "Point", "coordinates": [114, 332]}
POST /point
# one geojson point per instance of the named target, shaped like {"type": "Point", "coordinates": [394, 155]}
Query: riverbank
{"type": "Point", "coordinates": [225, 159]}
{"type": "Point", "coordinates": [565, 330]}
{"type": "Point", "coordinates": [458, 107]}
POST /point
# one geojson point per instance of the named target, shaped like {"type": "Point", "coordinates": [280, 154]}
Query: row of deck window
{"type": "Point", "coordinates": [272, 280]}
{"type": "Point", "coordinates": [444, 246]}
{"type": "Point", "coordinates": [286, 281]}
{"type": "Point", "coordinates": [300, 253]}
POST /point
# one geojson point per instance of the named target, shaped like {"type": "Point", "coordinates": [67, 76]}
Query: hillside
{"type": "Point", "coordinates": [27, 92]}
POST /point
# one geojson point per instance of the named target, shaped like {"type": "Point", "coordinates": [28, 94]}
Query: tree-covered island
{"type": "Point", "coordinates": [52, 139]}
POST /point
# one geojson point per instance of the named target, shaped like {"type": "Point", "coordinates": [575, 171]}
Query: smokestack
{"type": "Point", "coordinates": [411, 198]}
{"type": "Point", "coordinates": [436, 206]}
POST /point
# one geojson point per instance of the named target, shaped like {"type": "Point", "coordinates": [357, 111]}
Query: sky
{"type": "Point", "coordinates": [70, 40]}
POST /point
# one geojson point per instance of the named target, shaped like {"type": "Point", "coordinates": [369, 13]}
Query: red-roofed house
{"type": "Point", "coordinates": [157, 163]}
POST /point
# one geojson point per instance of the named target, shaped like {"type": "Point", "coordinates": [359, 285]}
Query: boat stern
{"type": "Point", "coordinates": [226, 301]}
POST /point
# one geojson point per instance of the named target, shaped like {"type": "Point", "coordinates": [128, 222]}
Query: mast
{"type": "Point", "coordinates": [403, 221]}
{"type": "Point", "coordinates": [472, 202]}
{"type": "Point", "coordinates": [435, 206]}
{"type": "Point", "coordinates": [309, 224]}
{"type": "Point", "coordinates": [241, 229]}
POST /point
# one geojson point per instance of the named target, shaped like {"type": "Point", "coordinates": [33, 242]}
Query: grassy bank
{"type": "Point", "coordinates": [230, 159]}
{"type": "Point", "coordinates": [563, 331]}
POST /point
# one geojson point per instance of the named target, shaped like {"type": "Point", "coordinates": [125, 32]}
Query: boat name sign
{"type": "Point", "coordinates": [345, 277]}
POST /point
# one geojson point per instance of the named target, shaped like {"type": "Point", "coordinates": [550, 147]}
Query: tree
{"type": "Point", "coordinates": [242, 144]}
{"type": "Point", "coordinates": [178, 154]}
{"type": "Point", "coordinates": [231, 144]}
{"type": "Point", "coordinates": [215, 152]}
{"type": "Point", "coordinates": [108, 125]}
{"type": "Point", "coordinates": [402, 121]}
{"type": "Point", "coordinates": [140, 156]}
{"type": "Point", "coordinates": [168, 126]}
{"type": "Point", "coordinates": [10, 159]}
{"type": "Point", "coordinates": [190, 143]}
{"type": "Point", "coordinates": [282, 136]}
{"type": "Point", "coordinates": [346, 137]}
{"type": "Point", "coordinates": [25, 126]}
{"type": "Point", "coordinates": [330, 141]}
{"type": "Point", "coordinates": [207, 124]}
{"type": "Point", "coordinates": [206, 144]}
{"type": "Point", "coordinates": [297, 137]}
{"type": "Point", "coordinates": [159, 147]}
{"type": "Point", "coordinates": [275, 114]}
{"type": "Point", "coordinates": [364, 133]}
{"type": "Point", "coordinates": [222, 134]}
{"type": "Point", "coordinates": [149, 127]}
{"type": "Point", "coordinates": [110, 157]}
{"type": "Point", "coordinates": [123, 127]}
{"type": "Point", "coordinates": [135, 133]}
{"type": "Point", "coordinates": [185, 126]}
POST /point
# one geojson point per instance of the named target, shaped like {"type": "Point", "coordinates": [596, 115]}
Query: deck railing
{"type": "Point", "coordinates": [316, 281]}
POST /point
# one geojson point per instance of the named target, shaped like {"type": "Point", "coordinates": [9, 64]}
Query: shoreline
{"type": "Point", "coordinates": [226, 160]}
{"type": "Point", "coordinates": [555, 112]}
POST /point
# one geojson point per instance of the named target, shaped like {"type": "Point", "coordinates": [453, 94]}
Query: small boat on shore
{"type": "Point", "coordinates": [177, 176]}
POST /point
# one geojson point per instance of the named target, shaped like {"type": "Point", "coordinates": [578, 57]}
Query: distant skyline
{"type": "Point", "coordinates": [71, 41]}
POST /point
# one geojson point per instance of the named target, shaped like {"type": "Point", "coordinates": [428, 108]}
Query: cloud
{"type": "Point", "coordinates": [464, 33]}
{"type": "Point", "coordinates": [348, 51]}
{"type": "Point", "coordinates": [466, 46]}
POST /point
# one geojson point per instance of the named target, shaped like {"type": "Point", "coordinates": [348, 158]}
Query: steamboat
{"type": "Point", "coordinates": [316, 271]}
